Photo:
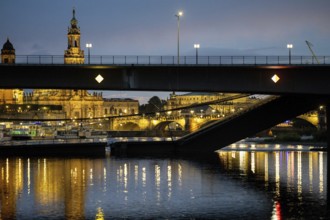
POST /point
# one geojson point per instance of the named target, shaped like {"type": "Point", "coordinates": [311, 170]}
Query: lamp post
{"type": "Point", "coordinates": [196, 46]}
{"type": "Point", "coordinates": [289, 46]}
{"type": "Point", "coordinates": [89, 46]}
{"type": "Point", "coordinates": [180, 13]}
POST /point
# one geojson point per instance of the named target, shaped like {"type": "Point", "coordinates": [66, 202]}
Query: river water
{"type": "Point", "coordinates": [240, 182]}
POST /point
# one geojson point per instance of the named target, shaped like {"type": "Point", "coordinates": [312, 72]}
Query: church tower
{"type": "Point", "coordinates": [74, 55]}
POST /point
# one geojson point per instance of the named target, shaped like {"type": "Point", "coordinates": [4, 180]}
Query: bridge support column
{"type": "Point", "coordinates": [111, 124]}
{"type": "Point", "coordinates": [187, 123]}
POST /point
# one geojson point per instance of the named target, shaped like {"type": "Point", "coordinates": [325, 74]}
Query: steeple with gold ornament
{"type": "Point", "coordinates": [74, 55]}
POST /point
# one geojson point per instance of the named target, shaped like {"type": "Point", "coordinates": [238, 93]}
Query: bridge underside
{"type": "Point", "coordinates": [222, 134]}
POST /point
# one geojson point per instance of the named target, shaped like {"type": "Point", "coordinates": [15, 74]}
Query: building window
{"type": "Point", "coordinates": [76, 114]}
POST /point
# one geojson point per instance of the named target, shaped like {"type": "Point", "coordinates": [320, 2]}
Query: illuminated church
{"type": "Point", "coordinates": [75, 103]}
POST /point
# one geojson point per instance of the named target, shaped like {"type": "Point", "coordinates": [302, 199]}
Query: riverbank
{"type": "Point", "coordinates": [55, 147]}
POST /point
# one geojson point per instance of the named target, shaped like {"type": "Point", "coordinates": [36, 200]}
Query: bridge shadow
{"type": "Point", "coordinates": [219, 134]}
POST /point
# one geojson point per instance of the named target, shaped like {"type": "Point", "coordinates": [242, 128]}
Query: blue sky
{"type": "Point", "coordinates": [149, 27]}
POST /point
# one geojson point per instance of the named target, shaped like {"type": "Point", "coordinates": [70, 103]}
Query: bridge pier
{"type": "Point", "coordinates": [111, 124]}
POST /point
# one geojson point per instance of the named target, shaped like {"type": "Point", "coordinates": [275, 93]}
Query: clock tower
{"type": "Point", "coordinates": [74, 55]}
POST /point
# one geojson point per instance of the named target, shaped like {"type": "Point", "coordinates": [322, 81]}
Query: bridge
{"type": "Point", "coordinates": [301, 80]}
{"type": "Point", "coordinates": [254, 75]}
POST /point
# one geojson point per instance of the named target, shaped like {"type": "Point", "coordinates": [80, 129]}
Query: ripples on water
{"type": "Point", "coordinates": [231, 185]}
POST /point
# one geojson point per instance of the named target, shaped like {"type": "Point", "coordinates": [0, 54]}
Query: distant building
{"type": "Point", "coordinates": [8, 53]}
{"type": "Point", "coordinates": [193, 98]}
{"type": "Point", "coordinates": [117, 106]}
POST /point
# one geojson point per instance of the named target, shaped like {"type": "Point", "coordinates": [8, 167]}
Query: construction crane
{"type": "Point", "coordinates": [310, 45]}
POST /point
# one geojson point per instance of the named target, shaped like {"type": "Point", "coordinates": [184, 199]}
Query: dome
{"type": "Point", "coordinates": [8, 45]}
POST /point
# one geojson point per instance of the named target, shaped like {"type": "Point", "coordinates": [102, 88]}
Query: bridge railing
{"type": "Point", "coordinates": [183, 60]}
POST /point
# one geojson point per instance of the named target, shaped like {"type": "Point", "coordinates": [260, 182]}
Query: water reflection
{"type": "Point", "coordinates": [287, 167]}
{"type": "Point", "coordinates": [271, 184]}
{"type": "Point", "coordinates": [297, 175]}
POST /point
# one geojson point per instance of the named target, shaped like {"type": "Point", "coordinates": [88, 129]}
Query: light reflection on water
{"type": "Point", "coordinates": [236, 184]}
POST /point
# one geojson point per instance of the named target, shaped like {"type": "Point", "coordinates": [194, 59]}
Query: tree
{"type": "Point", "coordinates": [155, 104]}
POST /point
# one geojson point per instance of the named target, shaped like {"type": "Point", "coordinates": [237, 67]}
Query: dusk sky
{"type": "Point", "coordinates": [149, 27]}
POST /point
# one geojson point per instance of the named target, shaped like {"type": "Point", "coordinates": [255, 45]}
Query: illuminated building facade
{"type": "Point", "coordinates": [178, 101]}
{"type": "Point", "coordinates": [118, 106]}
{"type": "Point", "coordinates": [8, 53]}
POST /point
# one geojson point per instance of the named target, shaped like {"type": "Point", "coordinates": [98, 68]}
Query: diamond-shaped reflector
{"type": "Point", "coordinates": [275, 78]}
{"type": "Point", "coordinates": [99, 78]}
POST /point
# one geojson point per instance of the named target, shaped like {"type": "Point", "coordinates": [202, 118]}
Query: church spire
{"type": "Point", "coordinates": [74, 55]}
{"type": "Point", "coordinates": [74, 21]}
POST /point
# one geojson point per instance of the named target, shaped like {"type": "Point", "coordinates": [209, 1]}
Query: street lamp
{"type": "Point", "coordinates": [289, 46]}
{"type": "Point", "coordinates": [180, 13]}
{"type": "Point", "coordinates": [89, 46]}
{"type": "Point", "coordinates": [196, 46]}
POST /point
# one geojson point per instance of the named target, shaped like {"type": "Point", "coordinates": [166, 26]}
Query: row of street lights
{"type": "Point", "coordinates": [196, 46]}
{"type": "Point", "coordinates": [178, 15]}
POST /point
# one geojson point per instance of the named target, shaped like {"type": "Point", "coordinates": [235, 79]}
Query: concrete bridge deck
{"type": "Point", "coordinates": [254, 79]}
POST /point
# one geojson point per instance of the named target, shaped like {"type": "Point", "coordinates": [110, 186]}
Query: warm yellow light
{"type": "Point", "coordinates": [289, 46]}
{"type": "Point", "coordinates": [196, 45]}
{"type": "Point", "coordinates": [180, 13]}
{"type": "Point", "coordinates": [99, 78]}
{"type": "Point", "coordinates": [275, 78]}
